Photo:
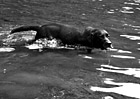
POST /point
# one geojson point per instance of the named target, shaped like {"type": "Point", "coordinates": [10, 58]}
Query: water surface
{"type": "Point", "coordinates": [35, 72]}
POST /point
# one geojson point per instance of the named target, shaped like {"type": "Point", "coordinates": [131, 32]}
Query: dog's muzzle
{"type": "Point", "coordinates": [107, 44]}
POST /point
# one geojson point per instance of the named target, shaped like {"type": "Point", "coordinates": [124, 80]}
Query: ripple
{"type": "Point", "coordinates": [127, 8]}
{"type": "Point", "coordinates": [131, 37]}
{"type": "Point", "coordinates": [6, 49]}
{"type": "Point", "coordinates": [137, 1]}
{"type": "Point", "coordinates": [138, 8]}
{"type": "Point", "coordinates": [139, 61]}
{"type": "Point", "coordinates": [120, 51]}
{"type": "Point", "coordinates": [122, 86]}
{"type": "Point", "coordinates": [126, 89]}
{"type": "Point", "coordinates": [131, 3]}
{"type": "Point", "coordinates": [131, 25]}
{"type": "Point", "coordinates": [127, 71]}
{"type": "Point", "coordinates": [122, 56]}
{"type": "Point", "coordinates": [111, 11]}
{"type": "Point", "coordinates": [124, 11]}
{"type": "Point", "coordinates": [85, 56]}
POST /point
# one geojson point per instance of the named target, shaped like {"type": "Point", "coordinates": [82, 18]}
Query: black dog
{"type": "Point", "coordinates": [91, 38]}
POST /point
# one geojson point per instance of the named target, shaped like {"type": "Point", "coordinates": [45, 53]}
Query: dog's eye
{"type": "Point", "coordinates": [102, 36]}
{"type": "Point", "coordinates": [107, 35]}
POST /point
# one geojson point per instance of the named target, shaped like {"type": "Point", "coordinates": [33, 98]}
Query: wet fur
{"type": "Point", "coordinates": [67, 34]}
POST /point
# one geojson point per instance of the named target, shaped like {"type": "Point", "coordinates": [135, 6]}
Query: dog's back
{"type": "Point", "coordinates": [66, 33]}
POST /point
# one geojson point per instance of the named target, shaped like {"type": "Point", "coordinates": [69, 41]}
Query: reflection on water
{"type": "Point", "coordinates": [127, 89]}
{"type": "Point", "coordinates": [131, 3]}
{"type": "Point", "coordinates": [122, 56]}
{"type": "Point", "coordinates": [137, 1]}
{"type": "Point", "coordinates": [85, 56]}
{"type": "Point", "coordinates": [127, 71]}
{"type": "Point", "coordinates": [120, 51]}
{"type": "Point", "coordinates": [131, 37]}
{"type": "Point", "coordinates": [125, 11]}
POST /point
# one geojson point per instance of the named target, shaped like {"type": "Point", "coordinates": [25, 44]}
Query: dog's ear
{"type": "Point", "coordinates": [88, 34]}
{"type": "Point", "coordinates": [91, 31]}
{"type": "Point", "coordinates": [88, 31]}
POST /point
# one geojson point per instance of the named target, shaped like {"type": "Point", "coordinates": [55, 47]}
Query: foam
{"type": "Point", "coordinates": [6, 49]}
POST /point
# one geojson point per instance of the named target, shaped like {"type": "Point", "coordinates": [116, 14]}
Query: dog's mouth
{"type": "Point", "coordinates": [106, 46]}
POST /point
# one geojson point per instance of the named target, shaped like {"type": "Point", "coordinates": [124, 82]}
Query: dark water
{"type": "Point", "coordinates": [65, 73]}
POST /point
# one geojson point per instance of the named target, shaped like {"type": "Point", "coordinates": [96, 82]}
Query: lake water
{"type": "Point", "coordinates": [30, 72]}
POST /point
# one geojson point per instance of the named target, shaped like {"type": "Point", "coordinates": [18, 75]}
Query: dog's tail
{"type": "Point", "coordinates": [25, 28]}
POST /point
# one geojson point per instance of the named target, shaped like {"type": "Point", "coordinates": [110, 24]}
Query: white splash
{"type": "Point", "coordinates": [34, 46]}
{"type": "Point", "coordinates": [126, 89]}
{"type": "Point", "coordinates": [122, 56]}
{"type": "Point", "coordinates": [127, 71]}
{"type": "Point", "coordinates": [42, 43]}
{"type": "Point", "coordinates": [131, 37]}
{"type": "Point", "coordinates": [6, 49]}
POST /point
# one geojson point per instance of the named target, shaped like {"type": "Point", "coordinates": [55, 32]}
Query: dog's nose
{"type": "Point", "coordinates": [109, 45]}
{"type": "Point", "coordinates": [107, 41]}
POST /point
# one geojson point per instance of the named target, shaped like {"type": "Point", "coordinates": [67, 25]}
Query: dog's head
{"type": "Point", "coordinates": [98, 38]}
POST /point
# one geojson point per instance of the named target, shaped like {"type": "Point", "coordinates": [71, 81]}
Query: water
{"type": "Point", "coordinates": [31, 72]}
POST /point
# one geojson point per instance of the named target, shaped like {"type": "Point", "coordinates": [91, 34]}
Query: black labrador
{"type": "Point", "coordinates": [90, 38]}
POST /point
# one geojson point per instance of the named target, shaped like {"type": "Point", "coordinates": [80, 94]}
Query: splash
{"type": "Point", "coordinates": [6, 49]}
{"type": "Point", "coordinates": [43, 43]}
